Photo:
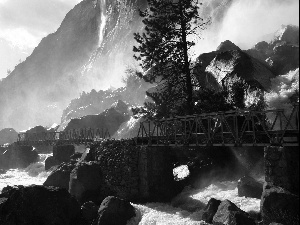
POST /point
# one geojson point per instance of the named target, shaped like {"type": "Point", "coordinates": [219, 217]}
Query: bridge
{"type": "Point", "coordinates": [73, 136]}
{"type": "Point", "coordinates": [231, 128]}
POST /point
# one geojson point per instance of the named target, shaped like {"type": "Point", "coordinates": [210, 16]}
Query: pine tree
{"type": "Point", "coordinates": [163, 52]}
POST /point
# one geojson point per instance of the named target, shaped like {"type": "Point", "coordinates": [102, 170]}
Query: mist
{"type": "Point", "coordinates": [245, 22]}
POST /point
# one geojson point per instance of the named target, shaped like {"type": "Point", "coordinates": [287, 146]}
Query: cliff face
{"type": "Point", "coordinates": [38, 87]}
{"type": "Point", "coordinates": [73, 59]}
{"type": "Point", "coordinates": [257, 66]}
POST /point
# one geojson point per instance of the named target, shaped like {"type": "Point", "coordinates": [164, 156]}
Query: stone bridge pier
{"type": "Point", "coordinates": [205, 164]}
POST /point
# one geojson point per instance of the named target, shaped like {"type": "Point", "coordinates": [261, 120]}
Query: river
{"type": "Point", "coordinates": [184, 209]}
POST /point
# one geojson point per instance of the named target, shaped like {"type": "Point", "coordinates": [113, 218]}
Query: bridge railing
{"type": "Point", "coordinates": [72, 136]}
{"type": "Point", "coordinates": [240, 127]}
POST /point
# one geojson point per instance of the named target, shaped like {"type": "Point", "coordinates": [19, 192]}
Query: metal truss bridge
{"type": "Point", "coordinates": [231, 128]}
{"type": "Point", "coordinates": [74, 136]}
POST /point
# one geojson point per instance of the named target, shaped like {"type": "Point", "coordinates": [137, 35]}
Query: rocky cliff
{"type": "Point", "coordinates": [76, 58]}
{"type": "Point", "coordinates": [257, 66]}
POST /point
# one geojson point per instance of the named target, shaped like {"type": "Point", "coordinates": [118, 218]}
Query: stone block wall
{"type": "Point", "coordinates": [134, 172]}
{"type": "Point", "coordinates": [119, 166]}
{"type": "Point", "coordinates": [282, 167]}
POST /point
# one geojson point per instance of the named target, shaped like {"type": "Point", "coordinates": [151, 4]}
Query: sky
{"type": "Point", "coordinates": [23, 23]}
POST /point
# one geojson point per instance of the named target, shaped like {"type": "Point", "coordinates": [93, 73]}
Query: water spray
{"type": "Point", "coordinates": [103, 16]}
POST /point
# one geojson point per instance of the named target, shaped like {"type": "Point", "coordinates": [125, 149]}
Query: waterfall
{"type": "Point", "coordinates": [103, 17]}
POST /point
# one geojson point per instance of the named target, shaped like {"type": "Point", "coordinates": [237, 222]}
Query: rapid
{"type": "Point", "coordinates": [34, 174]}
{"type": "Point", "coordinates": [184, 209]}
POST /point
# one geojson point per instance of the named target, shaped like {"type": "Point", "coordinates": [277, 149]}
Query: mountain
{"type": "Point", "coordinates": [92, 49]}
{"type": "Point", "coordinates": [92, 39]}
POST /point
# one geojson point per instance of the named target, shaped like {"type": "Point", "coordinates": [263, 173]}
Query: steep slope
{"type": "Point", "coordinates": [38, 87]}
{"type": "Point", "coordinates": [84, 52]}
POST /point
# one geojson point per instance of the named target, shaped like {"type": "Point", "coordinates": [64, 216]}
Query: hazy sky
{"type": "Point", "coordinates": [23, 23]}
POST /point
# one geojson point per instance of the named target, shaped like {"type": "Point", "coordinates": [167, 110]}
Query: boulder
{"type": "Point", "coordinates": [249, 187]}
{"type": "Point", "coordinates": [60, 176]}
{"type": "Point", "coordinates": [50, 162]}
{"type": "Point", "coordinates": [62, 153]}
{"type": "Point", "coordinates": [210, 210]}
{"type": "Point", "coordinates": [18, 157]}
{"type": "Point", "coordinates": [40, 205]}
{"type": "Point", "coordinates": [280, 206]}
{"type": "Point", "coordinates": [86, 181]}
{"type": "Point", "coordinates": [114, 211]}
{"type": "Point", "coordinates": [89, 211]}
{"type": "Point", "coordinates": [233, 63]}
{"type": "Point", "coordinates": [229, 214]}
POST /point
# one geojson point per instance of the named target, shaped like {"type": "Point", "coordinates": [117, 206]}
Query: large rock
{"type": "Point", "coordinates": [249, 187]}
{"type": "Point", "coordinates": [16, 156]}
{"type": "Point", "coordinates": [40, 205]}
{"type": "Point", "coordinates": [8, 135]}
{"type": "Point", "coordinates": [238, 63]}
{"type": "Point", "coordinates": [86, 181]}
{"type": "Point", "coordinates": [229, 214]}
{"type": "Point", "coordinates": [280, 206]}
{"type": "Point", "coordinates": [114, 211]}
{"type": "Point", "coordinates": [60, 176]}
{"type": "Point", "coordinates": [210, 210]}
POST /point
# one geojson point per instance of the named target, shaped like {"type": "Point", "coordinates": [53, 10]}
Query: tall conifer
{"type": "Point", "coordinates": [163, 52]}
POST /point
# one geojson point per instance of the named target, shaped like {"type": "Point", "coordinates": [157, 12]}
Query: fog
{"type": "Point", "coordinates": [245, 22]}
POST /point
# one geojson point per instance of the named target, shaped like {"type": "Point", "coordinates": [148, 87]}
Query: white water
{"type": "Point", "coordinates": [34, 174]}
{"type": "Point", "coordinates": [184, 209]}
{"type": "Point", "coordinates": [102, 6]}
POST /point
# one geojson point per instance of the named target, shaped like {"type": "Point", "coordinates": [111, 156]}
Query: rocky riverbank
{"type": "Point", "coordinates": [77, 191]}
